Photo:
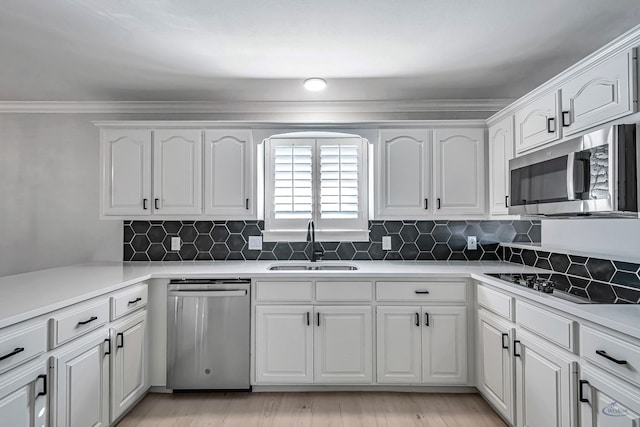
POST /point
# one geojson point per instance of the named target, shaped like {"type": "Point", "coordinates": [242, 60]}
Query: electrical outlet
{"type": "Point", "coordinates": [386, 243]}
{"type": "Point", "coordinates": [175, 243]}
{"type": "Point", "coordinates": [255, 243]}
{"type": "Point", "coordinates": [472, 243]}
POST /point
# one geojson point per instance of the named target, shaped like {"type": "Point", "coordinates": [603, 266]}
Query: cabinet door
{"type": "Point", "coordinates": [500, 152]}
{"type": "Point", "coordinates": [606, 401]}
{"type": "Point", "coordinates": [81, 378]}
{"type": "Point", "coordinates": [495, 363]}
{"type": "Point", "coordinates": [177, 172]}
{"type": "Point", "coordinates": [284, 344]}
{"type": "Point", "coordinates": [399, 341]}
{"type": "Point", "coordinates": [537, 123]}
{"type": "Point", "coordinates": [459, 171]}
{"type": "Point", "coordinates": [444, 345]}
{"type": "Point", "coordinates": [129, 380]}
{"type": "Point", "coordinates": [343, 345]}
{"type": "Point", "coordinates": [545, 384]}
{"type": "Point", "coordinates": [403, 177]}
{"type": "Point", "coordinates": [602, 93]}
{"type": "Point", "coordinates": [126, 172]}
{"type": "Point", "coordinates": [23, 396]}
{"type": "Point", "coordinates": [229, 170]}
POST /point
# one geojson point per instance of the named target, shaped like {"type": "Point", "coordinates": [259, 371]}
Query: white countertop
{"type": "Point", "coordinates": [29, 295]}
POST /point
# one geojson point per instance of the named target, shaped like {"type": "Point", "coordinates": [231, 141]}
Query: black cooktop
{"type": "Point", "coordinates": [544, 284]}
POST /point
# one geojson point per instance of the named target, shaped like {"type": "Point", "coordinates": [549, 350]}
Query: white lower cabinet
{"type": "Point", "coordinates": [129, 377]}
{"type": "Point", "coordinates": [546, 378]}
{"type": "Point", "coordinates": [284, 344]}
{"type": "Point", "coordinates": [299, 344]}
{"type": "Point", "coordinates": [80, 374]}
{"type": "Point", "coordinates": [495, 363]}
{"type": "Point", "coordinates": [23, 396]}
{"type": "Point", "coordinates": [343, 345]}
{"type": "Point", "coordinates": [422, 345]}
{"type": "Point", "coordinates": [606, 401]}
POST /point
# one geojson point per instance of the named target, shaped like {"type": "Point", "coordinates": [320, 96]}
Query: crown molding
{"type": "Point", "coordinates": [257, 107]}
{"type": "Point", "coordinates": [626, 42]}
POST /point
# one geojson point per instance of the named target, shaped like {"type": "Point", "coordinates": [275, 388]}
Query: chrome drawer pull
{"type": "Point", "coordinates": [613, 359]}
{"type": "Point", "coordinates": [13, 353]}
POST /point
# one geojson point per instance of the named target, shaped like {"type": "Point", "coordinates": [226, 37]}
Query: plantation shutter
{"type": "Point", "coordinates": [293, 182]}
{"type": "Point", "coordinates": [339, 181]}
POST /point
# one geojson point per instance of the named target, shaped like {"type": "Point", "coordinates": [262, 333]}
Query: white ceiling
{"type": "Point", "coordinates": [261, 50]}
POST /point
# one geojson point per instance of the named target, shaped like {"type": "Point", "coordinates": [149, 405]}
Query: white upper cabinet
{"type": "Point", "coordinates": [459, 171]}
{"type": "Point", "coordinates": [229, 167]}
{"type": "Point", "coordinates": [599, 94]}
{"type": "Point", "coordinates": [500, 152]}
{"type": "Point", "coordinates": [403, 176]}
{"type": "Point", "coordinates": [177, 172]}
{"type": "Point", "coordinates": [126, 172]}
{"type": "Point", "coordinates": [537, 123]}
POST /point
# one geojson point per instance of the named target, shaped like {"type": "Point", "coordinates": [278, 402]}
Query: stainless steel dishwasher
{"type": "Point", "coordinates": [208, 328]}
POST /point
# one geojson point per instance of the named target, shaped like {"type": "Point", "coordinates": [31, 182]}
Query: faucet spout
{"type": "Point", "coordinates": [316, 250]}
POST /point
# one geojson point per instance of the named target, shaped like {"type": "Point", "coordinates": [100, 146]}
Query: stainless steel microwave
{"type": "Point", "coordinates": [595, 175]}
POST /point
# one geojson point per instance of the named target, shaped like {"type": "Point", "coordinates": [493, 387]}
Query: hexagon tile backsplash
{"type": "Point", "coordinates": [410, 240]}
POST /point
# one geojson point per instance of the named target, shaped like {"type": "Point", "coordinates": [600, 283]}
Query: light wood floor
{"type": "Point", "coordinates": [312, 409]}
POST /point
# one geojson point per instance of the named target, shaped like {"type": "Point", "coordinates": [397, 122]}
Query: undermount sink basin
{"type": "Point", "coordinates": [310, 267]}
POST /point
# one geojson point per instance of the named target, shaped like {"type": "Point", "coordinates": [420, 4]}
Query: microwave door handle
{"type": "Point", "coordinates": [571, 159]}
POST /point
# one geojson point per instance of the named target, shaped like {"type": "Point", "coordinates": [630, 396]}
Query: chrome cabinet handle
{"type": "Point", "coordinates": [613, 359]}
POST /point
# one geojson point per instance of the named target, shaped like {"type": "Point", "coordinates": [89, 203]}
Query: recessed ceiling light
{"type": "Point", "coordinates": [315, 84]}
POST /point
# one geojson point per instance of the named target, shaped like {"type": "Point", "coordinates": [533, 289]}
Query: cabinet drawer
{"type": "Point", "coordinates": [422, 291]}
{"type": "Point", "coordinates": [284, 291]}
{"type": "Point", "coordinates": [556, 329]}
{"type": "Point", "coordinates": [495, 302]}
{"type": "Point", "coordinates": [344, 291]}
{"type": "Point", "coordinates": [20, 343]}
{"type": "Point", "coordinates": [128, 301]}
{"type": "Point", "coordinates": [599, 348]}
{"type": "Point", "coordinates": [78, 320]}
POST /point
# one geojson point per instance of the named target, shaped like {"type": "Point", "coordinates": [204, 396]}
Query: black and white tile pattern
{"type": "Point", "coordinates": [595, 278]}
{"type": "Point", "coordinates": [410, 240]}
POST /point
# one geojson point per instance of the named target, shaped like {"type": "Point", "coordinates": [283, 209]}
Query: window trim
{"type": "Point", "coordinates": [326, 229]}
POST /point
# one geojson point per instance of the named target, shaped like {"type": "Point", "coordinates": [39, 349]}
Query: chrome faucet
{"type": "Point", "coordinates": [316, 250]}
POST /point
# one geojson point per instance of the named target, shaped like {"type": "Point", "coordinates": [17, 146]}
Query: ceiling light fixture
{"type": "Point", "coordinates": [315, 84]}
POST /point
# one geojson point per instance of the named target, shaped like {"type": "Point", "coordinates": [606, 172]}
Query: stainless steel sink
{"type": "Point", "coordinates": [309, 267]}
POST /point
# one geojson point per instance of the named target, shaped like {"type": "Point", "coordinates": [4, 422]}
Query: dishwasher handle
{"type": "Point", "coordinates": [209, 293]}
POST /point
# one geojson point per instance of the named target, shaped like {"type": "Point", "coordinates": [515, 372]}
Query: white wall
{"type": "Point", "coordinates": [608, 238]}
{"type": "Point", "coordinates": [49, 194]}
